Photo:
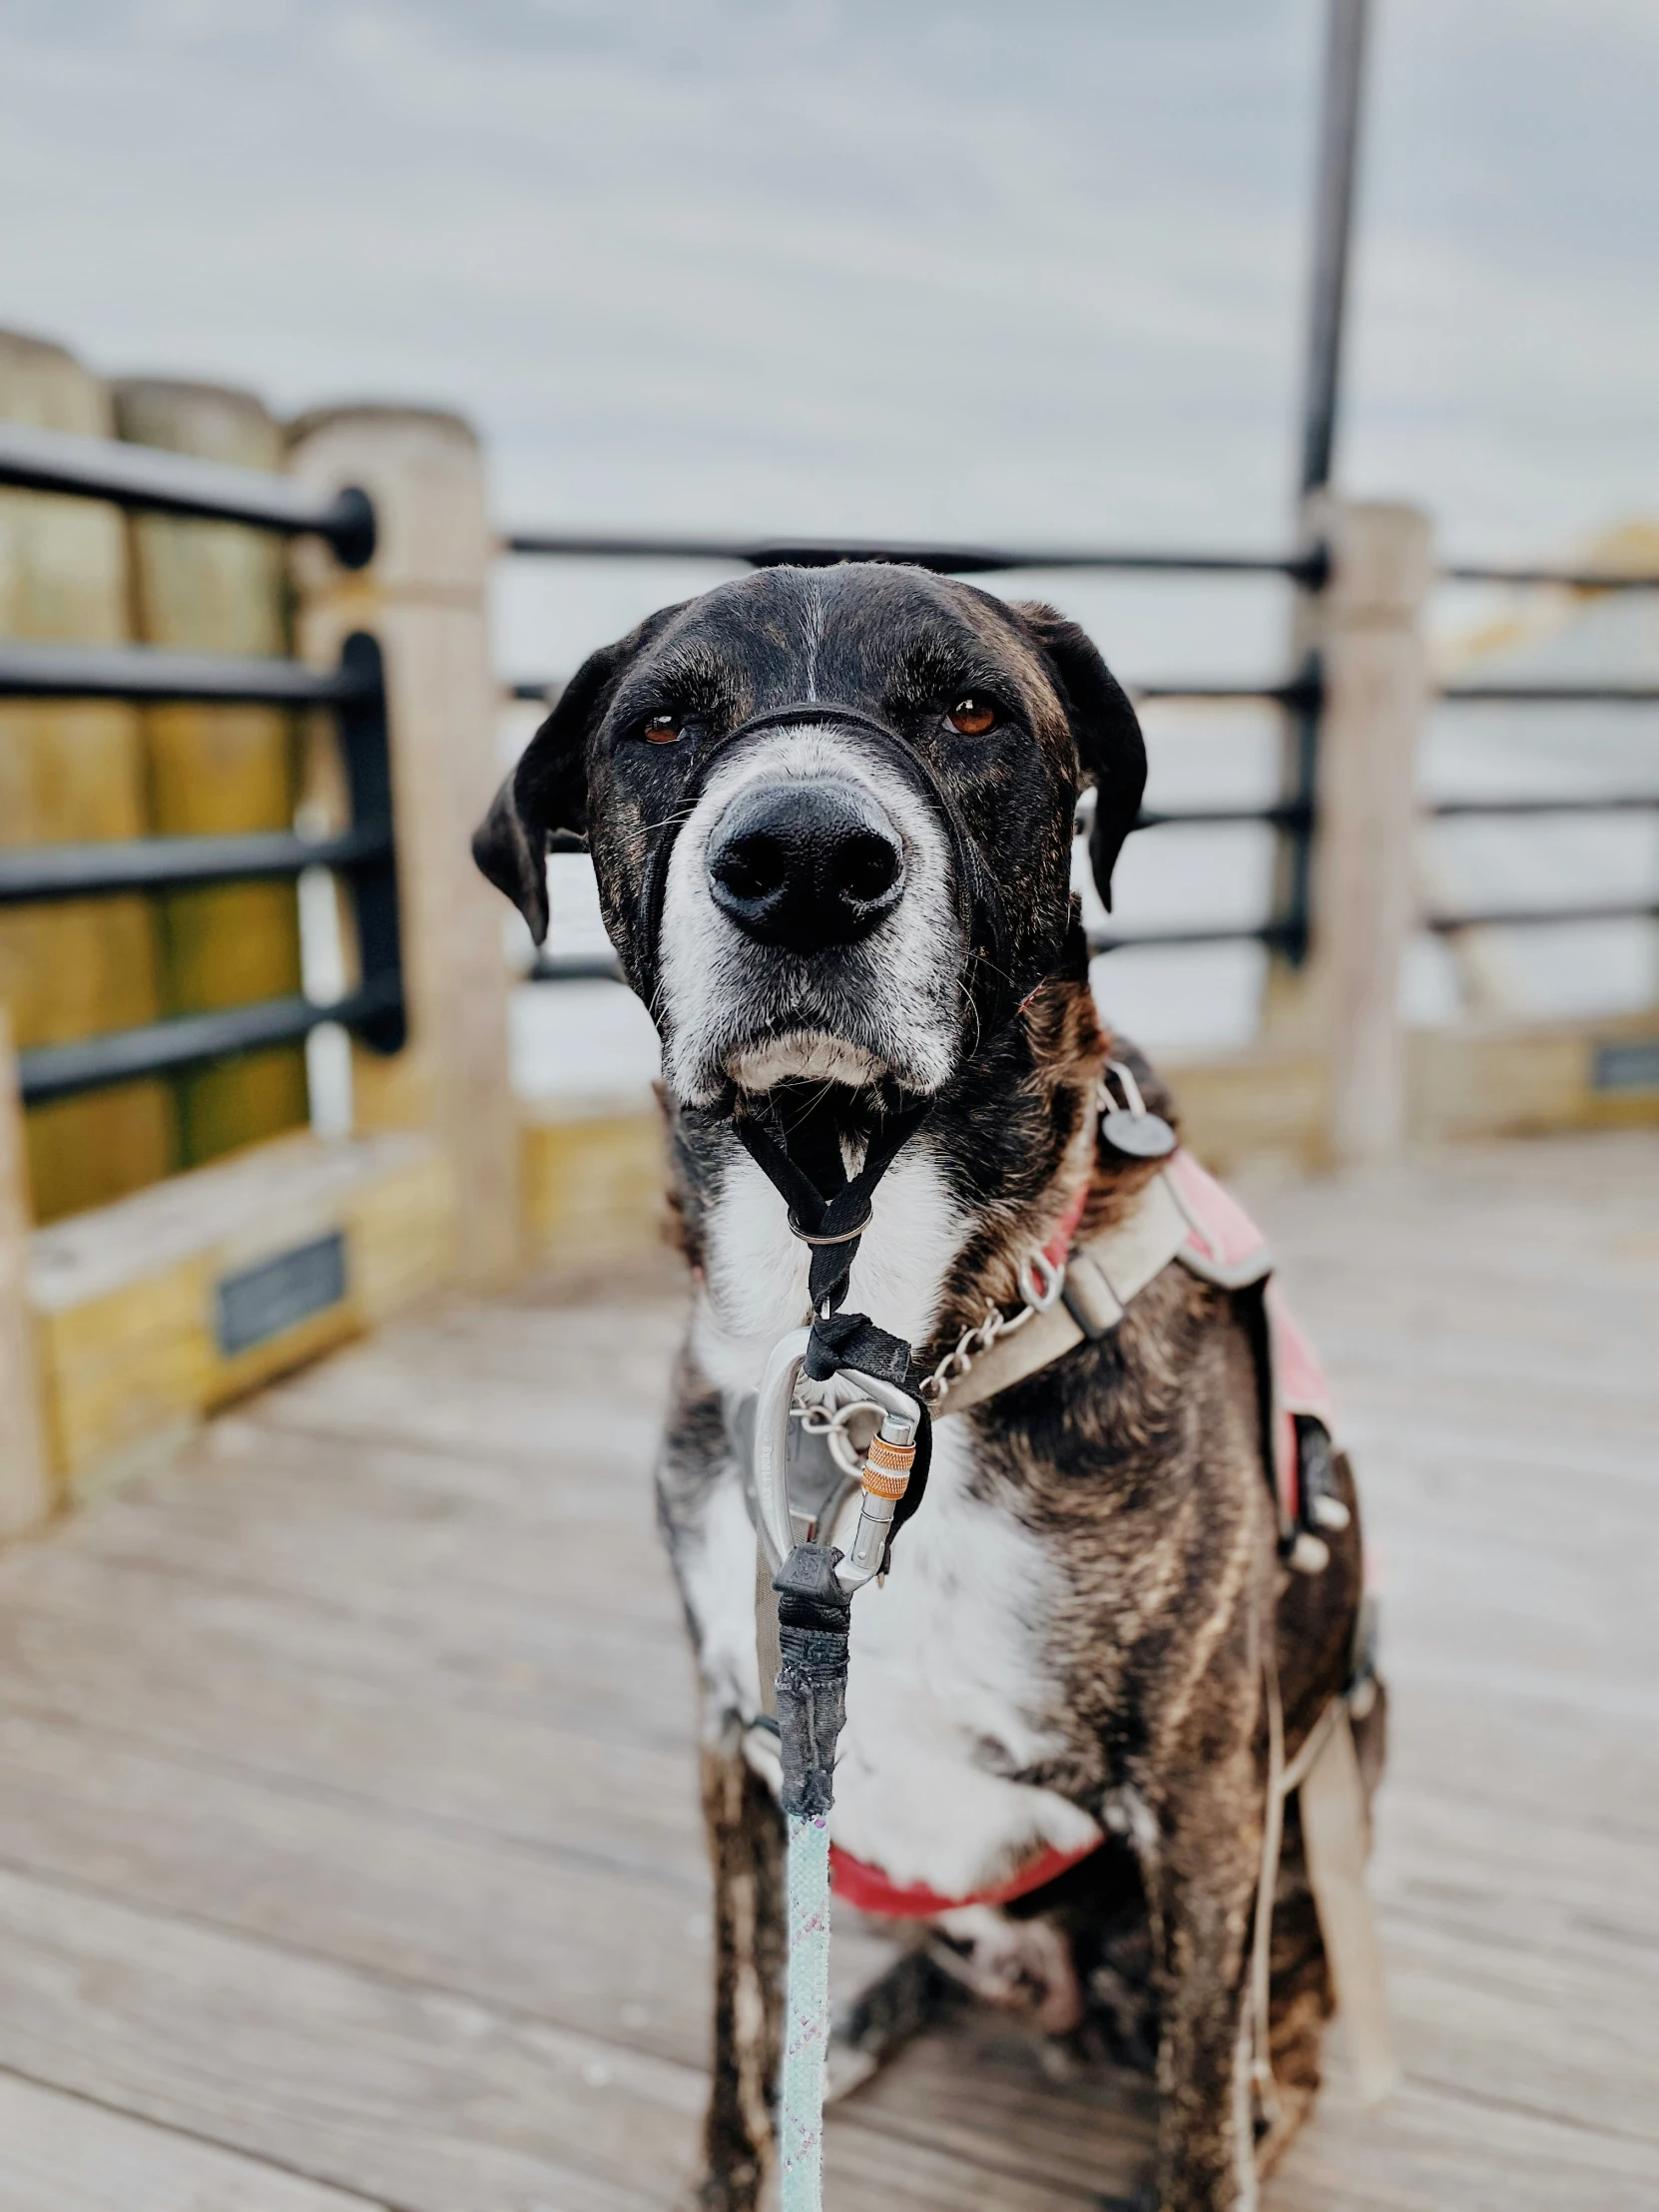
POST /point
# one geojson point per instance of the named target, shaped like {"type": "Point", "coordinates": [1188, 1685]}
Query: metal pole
{"type": "Point", "coordinates": [1333, 229]}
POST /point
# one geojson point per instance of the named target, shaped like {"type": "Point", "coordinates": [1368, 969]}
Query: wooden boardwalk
{"type": "Point", "coordinates": [348, 1845]}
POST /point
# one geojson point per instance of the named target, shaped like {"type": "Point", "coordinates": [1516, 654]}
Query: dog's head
{"type": "Point", "coordinates": [831, 815]}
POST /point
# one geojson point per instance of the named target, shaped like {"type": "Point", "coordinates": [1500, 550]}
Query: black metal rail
{"type": "Point", "coordinates": [1604, 803]}
{"type": "Point", "coordinates": [148, 477]}
{"type": "Point", "coordinates": [1526, 917]}
{"type": "Point", "coordinates": [40, 874]}
{"type": "Point", "coordinates": [1309, 567]}
{"type": "Point", "coordinates": [51, 1071]}
{"type": "Point", "coordinates": [144, 672]}
{"type": "Point", "coordinates": [364, 853]}
{"type": "Point", "coordinates": [1574, 579]}
{"type": "Point", "coordinates": [1549, 694]}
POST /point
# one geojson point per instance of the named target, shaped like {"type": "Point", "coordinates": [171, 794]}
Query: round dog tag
{"type": "Point", "coordinates": [1142, 1136]}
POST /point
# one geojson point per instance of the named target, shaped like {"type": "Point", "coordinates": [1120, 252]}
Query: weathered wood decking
{"type": "Point", "coordinates": [348, 1845]}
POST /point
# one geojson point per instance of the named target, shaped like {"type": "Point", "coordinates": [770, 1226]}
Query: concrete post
{"type": "Point", "coordinates": [1367, 628]}
{"type": "Point", "coordinates": [425, 597]}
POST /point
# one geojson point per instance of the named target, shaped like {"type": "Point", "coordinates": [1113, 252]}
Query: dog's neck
{"type": "Point", "coordinates": [987, 1180]}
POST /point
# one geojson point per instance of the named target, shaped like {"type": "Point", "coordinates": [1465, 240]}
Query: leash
{"type": "Point", "coordinates": [829, 1211]}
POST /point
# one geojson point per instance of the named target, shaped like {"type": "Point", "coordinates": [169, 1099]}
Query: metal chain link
{"type": "Point", "coordinates": [1041, 1280]}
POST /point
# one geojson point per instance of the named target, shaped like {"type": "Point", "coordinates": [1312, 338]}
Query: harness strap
{"type": "Point", "coordinates": [1336, 1841]}
{"type": "Point", "coordinates": [1102, 1277]}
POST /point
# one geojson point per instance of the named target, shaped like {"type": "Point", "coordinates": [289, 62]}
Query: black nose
{"type": "Point", "coordinates": [806, 865]}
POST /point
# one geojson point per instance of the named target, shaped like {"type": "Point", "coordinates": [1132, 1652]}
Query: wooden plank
{"type": "Point", "coordinates": [614, 1947]}
{"type": "Point", "coordinates": [462, 1761]}
{"type": "Point", "coordinates": [1427, 2148]}
{"type": "Point", "coordinates": [591, 1186]}
{"type": "Point", "coordinates": [66, 2154]}
{"type": "Point", "coordinates": [123, 1297]}
{"type": "Point", "coordinates": [393, 2090]}
{"type": "Point", "coordinates": [1509, 1078]}
{"type": "Point", "coordinates": [982, 2090]}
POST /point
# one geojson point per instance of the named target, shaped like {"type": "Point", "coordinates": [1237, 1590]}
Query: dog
{"type": "Point", "coordinates": [831, 816]}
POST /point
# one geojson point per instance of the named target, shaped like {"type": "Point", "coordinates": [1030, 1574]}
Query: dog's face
{"type": "Point", "coordinates": [831, 815]}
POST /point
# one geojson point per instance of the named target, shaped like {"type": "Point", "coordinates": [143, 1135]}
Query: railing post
{"type": "Point", "coordinates": [1367, 625]}
{"type": "Point", "coordinates": [25, 1482]}
{"type": "Point", "coordinates": [72, 771]}
{"type": "Point", "coordinates": [217, 586]}
{"type": "Point", "coordinates": [424, 599]}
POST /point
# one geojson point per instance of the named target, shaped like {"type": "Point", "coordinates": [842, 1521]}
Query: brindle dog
{"type": "Point", "coordinates": [831, 816]}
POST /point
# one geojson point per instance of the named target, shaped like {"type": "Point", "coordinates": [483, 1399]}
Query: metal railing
{"type": "Point", "coordinates": [1545, 694]}
{"type": "Point", "coordinates": [148, 478]}
{"type": "Point", "coordinates": [1301, 695]}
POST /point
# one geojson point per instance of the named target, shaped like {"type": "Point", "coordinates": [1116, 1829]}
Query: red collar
{"type": "Point", "coordinates": [867, 1889]}
{"type": "Point", "coordinates": [1058, 1248]}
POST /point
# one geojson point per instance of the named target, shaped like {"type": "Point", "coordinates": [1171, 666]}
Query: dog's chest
{"type": "Point", "coordinates": [951, 1695]}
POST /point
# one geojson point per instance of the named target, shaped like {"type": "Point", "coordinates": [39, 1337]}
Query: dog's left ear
{"type": "Point", "coordinates": [548, 791]}
{"type": "Point", "coordinates": [1110, 747]}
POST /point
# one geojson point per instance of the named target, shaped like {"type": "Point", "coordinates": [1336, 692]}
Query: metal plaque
{"type": "Point", "coordinates": [261, 1301]}
{"type": "Point", "coordinates": [1627, 1067]}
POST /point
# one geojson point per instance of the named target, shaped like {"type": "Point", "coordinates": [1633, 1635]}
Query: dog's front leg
{"type": "Point", "coordinates": [1205, 1892]}
{"type": "Point", "coordinates": [746, 1850]}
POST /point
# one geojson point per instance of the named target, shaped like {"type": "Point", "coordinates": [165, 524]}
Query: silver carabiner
{"type": "Point", "coordinates": [772, 1440]}
{"type": "Point", "coordinates": [900, 1420]}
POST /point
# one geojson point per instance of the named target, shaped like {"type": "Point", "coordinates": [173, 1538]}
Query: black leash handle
{"type": "Point", "coordinates": [814, 1618]}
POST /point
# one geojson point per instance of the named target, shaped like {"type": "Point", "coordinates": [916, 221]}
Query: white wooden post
{"type": "Point", "coordinates": [424, 596]}
{"type": "Point", "coordinates": [1375, 665]}
{"type": "Point", "coordinates": [25, 1481]}
{"type": "Point", "coordinates": [1343, 1005]}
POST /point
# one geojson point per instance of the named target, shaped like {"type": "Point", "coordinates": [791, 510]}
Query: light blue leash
{"type": "Point", "coordinates": [806, 2017]}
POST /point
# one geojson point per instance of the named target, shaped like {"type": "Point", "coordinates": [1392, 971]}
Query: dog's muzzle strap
{"type": "Point", "coordinates": [830, 1220]}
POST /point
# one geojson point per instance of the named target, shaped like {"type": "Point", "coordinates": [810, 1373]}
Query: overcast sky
{"type": "Point", "coordinates": [970, 269]}
{"type": "Point", "coordinates": [997, 267]}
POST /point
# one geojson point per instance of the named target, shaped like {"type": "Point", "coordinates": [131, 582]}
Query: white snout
{"type": "Point", "coordinates": [734, 1009]}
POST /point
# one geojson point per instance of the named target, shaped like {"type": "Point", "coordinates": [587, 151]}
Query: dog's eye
{"type": "Point", "coordinates": [663, 728]}
{"type": "Point", "coordinates": [971, 716]}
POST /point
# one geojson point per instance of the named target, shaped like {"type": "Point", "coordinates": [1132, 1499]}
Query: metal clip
{"type": "Point", "coordinates": [1132, 1128]}
{"type": "Point", "coordinates": [772, 1440]}
{"type": "Point", "coordinates": [885, 1476]}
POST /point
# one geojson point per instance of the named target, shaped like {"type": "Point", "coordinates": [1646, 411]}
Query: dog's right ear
{"type": "Point", "coordinates": [547, 791]}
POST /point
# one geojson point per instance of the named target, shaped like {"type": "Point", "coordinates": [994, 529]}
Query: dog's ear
{"type": "Point", "coordinates": [1110, 747]}
{"type": "Point", "coordinates": [547, 793]}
